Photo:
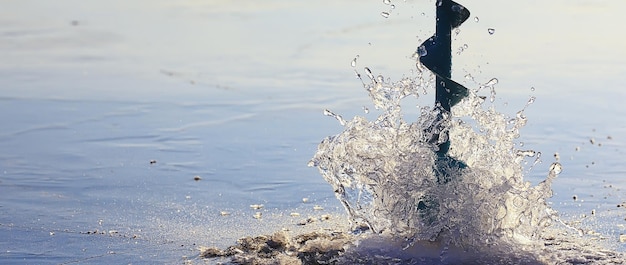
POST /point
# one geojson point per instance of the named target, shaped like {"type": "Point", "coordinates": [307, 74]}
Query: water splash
{"type": "Point", "coordinates": [404, 179]}
{"type": "Point", "coordinates": [383, 172]}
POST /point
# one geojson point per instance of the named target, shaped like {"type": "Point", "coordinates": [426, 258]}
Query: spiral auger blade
{"type": "Point", "coordinates": [436, 55]}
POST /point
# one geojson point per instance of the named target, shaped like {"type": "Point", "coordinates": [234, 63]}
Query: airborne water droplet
{"type": "Point", "coordinates": [476, 19]}
{"type": "Point", "coordinates": [380, 79]}
{"type": "Point", "coordinates": [421, 51]}
{"type": "Point", "coordinates": [353, 63]}
{"type": "Point", "coordinates": [384, 14]}
{"type": "Point", "coordinates": [491, 31]}
{"type": "Point", "coordinates": [369, 73]}
{"type": "Point", "coordinates": [520, 115]}
{"type": "Point", "coordinates": [492, 82]}
{"type": "Point", "coordinates": [555, 168]}
{"type": "Point", "coordinates": [328, 112]}
{"type": "Point", "coordinates": [387, 2]}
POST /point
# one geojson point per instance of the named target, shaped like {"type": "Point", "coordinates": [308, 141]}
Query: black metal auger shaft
{"type": "Point", "coordinates": [436, 55]}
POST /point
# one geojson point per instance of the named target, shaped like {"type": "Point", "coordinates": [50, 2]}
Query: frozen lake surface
{"type": "Point", "coordinates": [138, 132]}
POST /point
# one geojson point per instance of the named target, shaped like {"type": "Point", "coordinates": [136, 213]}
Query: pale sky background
{"type": "Point", "coordinates": [293, 42]}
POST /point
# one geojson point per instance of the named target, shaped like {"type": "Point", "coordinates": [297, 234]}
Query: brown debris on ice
{"type": "Point", "coordinates": [318, 247]}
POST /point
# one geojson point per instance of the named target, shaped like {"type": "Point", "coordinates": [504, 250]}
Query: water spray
{"type": "Point", "coordinates": [400, 180]}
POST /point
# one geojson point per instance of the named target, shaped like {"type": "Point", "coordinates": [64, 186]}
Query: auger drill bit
{"type": "Point", "coordinates": [435, 54]}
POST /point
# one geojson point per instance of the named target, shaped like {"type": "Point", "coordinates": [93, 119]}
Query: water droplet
{"type": "Point", "coordinates": [256, 206]}
{"type": "Point", "coordinates": [369, 73]}
{"type": "Point", "coordinates": [492, 97]}
{"type": "Point", "coordinates": [380, 79]}
{"type": "Point", "coordinates": [532, 88]}
{"type": "Point", "coordinates": [469, 77]}
{"type": "Point", "coordinates": [387, 2]}
{"type": "Point", "coordinates": [328, 112]}
{"type": "Point", "coordinates": [531, 100]}
{"type": "Point", "coordinates": [556, 168]}
{"type": "Point", "coordinates": [421, 51]}
{"type": "Point", "coordinates": [353, 63]}
{"type": "Point", "coordinates": [384, 14]}
{"type": "Point", "coordinates": [492, 82]}
{"type": "Point", "coordinates": [463, 48]}
{"type": "Point", "coordinates": [366, 110]}
{"type": "Point", "coordinates": [458, 8]}
{"type": "Point", "coordinates": [476, 19]}
{"type": "Point", "coordinates": [393, 6]}
{"type": "Point", "coordinates": [491, 31]}
{"type": "Point", "coordinates": [528, 153]}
